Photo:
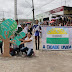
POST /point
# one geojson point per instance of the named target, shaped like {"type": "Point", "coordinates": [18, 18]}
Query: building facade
{"type": "Point", "coordinates": [61, 11]}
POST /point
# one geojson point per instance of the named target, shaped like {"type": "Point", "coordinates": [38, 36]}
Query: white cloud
{"type": "Point", "coordinates": [24, 7]}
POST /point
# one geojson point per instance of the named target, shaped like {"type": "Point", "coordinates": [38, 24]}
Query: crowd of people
{"type": "Point", "coordinates": [59, 21]}
{"type": "Point", "coordinates": [30, 31]}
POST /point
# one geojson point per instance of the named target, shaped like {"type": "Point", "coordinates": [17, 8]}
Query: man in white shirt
{"type": "Point", "coordinates": [29, 45]}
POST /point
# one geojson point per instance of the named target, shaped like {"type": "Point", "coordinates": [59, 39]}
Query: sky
{"type": "Point", "coordinates": [24, 7]}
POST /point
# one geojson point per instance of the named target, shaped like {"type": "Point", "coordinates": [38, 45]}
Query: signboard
{"type": "Point", "coordinates": [67, 10]}
{"type": "Point", "coordinates": [8, 25]}
{"type": "Point", "coordinates": [57, 38]}
{"type": "Point", "coordinates": [6, 30]}
{"type": "Point", "coordinates": [20, 36]}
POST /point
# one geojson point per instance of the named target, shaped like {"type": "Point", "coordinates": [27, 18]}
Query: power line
{"type": "Point", "coordinates": [3, 13]}
{"type": "Point", "coordinates": [50, 2]}
{"type": "Point", "coordinates": [65, 2]}
{"type": "Point", "coordinates": [28, 3]}
{"type": "Point", "coordinates": [45, 4]}
{"type": "Point", "coordinates": [33, 11]}
{"type": "Point", "coordinates": [27, 12]}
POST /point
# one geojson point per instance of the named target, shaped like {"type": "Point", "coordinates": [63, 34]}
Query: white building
{"type": "Point", "coordinates": [62, 11]}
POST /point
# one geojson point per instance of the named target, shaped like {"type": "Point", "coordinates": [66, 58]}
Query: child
{"type": "Point", "coordinates": [29, 45]}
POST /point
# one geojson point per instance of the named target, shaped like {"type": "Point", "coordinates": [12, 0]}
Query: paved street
{"type": "Point", "coordinates": [44, 61]}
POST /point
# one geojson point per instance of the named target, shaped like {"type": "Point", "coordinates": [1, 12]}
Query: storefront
{"type": "Point", "coordinates": [61, 11]}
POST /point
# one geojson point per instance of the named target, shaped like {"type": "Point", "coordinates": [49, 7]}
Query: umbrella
{"type": "Point", "coordinates": [51, 22]}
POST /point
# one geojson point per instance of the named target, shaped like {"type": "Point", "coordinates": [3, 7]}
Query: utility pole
{"type": "Point", "coordinates": [65, 2]}
{"type": "Point", "coordinates": [61, 2]}
{"type": "Point", "coordinates": [33, 11]}
{"type": "Point", "coordinates": [15, 9]}
{"type": "Point", "coordinates": [3, 14]}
